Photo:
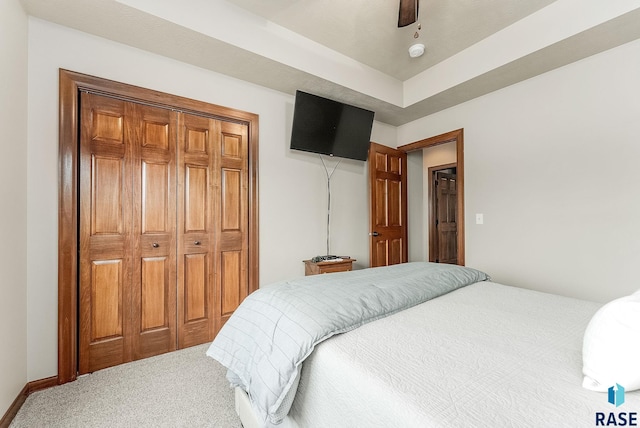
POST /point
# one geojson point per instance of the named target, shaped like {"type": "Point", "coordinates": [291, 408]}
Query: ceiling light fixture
{"type": "Point", "coordinates": [416, 50]}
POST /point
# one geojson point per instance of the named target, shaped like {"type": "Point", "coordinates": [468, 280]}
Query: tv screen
{"type": "Point", "coordinates": [328, 127]}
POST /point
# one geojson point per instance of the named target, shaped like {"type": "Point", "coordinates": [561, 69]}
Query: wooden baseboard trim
{"type": "Point", "coordinates": [15, 406]}
{"type": "Point", "coordinates": [39, 385]}
{"type": "Point", "coordinates": [29, 388]}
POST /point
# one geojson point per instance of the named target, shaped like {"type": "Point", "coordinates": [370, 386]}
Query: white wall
{"type": "Point", "coordinates": [416, 207]}
{"type": "Point", "coordinates": [442, 154]}
{"type": "Point", "coordinates": [292, 184]}
{"type": "Point", "coordinates": [13, 188]}
{"type": "Point", "coordinates": [552, 162]}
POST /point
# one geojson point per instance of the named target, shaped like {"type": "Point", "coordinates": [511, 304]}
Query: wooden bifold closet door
{"type": "Point", "coordinates": [163, 236]}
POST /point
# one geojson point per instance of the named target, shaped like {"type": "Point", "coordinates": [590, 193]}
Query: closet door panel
{"type": "Point", "coordinates": [197, 197]}
{"type": "Point", "coordinates": [196, 274]}
{"type": "Point", "coordinates": [154, 311]}
{"type": "Point", "coordinates": [196, 187]}
{"type": "Point", "coordinates": [106, 298]}
{"type": "Point", "coordinates": [232, 277]}
{"type": "Point", "coordinates": [106, 195]}
{"type": "Point", "coordinates": [231, 202]}
{"type": "Point", "coordinates": [196, 136]}
{"type": "Point", "coordinates": [155, 198]}
{"type": "Point", "coordinates": [156, 133]}
{"type": "Point", "coordinates": [234, 142]}
{"type": "Point", "coordinates": [152, 131]}
{"type": "Point", "coordinates": [232, 219]}
{"type": "Point", "coordinates": [104, 234]}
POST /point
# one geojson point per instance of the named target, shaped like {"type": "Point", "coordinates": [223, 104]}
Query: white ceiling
{"type": "Point", "coordinates": [367, 31]}
{"type": "Point", "coordinates": [352, 50]}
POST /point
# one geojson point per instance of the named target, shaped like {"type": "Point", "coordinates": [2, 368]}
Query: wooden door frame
{"type": "Point", "coordinates": [433, 233]}
{"type": "Point", "coordinates": [70, 85]}
{"type": "Point", "coordinates": [456, 136]}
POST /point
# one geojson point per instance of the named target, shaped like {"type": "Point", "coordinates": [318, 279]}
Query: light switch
{"type": "Point", "coordinates": [479, 218]}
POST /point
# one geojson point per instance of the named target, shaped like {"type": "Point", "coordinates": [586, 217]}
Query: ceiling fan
{"type": "Point", "coordinates": [408, 13]}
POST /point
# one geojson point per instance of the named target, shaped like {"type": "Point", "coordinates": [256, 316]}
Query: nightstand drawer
{"type": "Point", "coordinates": [315, 268]}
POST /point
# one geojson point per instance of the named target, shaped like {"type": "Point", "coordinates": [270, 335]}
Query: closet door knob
{"type": "Point", "coordinates": [197, 242]}
{"type": "Point", "coordinates": [155, 245]}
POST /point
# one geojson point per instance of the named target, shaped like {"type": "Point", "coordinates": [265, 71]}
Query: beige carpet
{"type": "Point", "coordinates": [179, 389]}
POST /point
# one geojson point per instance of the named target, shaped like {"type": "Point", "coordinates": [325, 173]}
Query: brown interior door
{"type": "Point", "coordinates": [232, 220]}
{"type": "Point", "coordinates": [196, 157]}
{"type": "Point", "coordinates": [388, 195]}
{"type": "Point", "coordinates": [446, 237]}
{"type": "Point", "coordinates": [153, 282]}
{"type": "Point", "coordinates": [126, 232]}
{"type": "Point", "coordinates": [106, 233]}
{"type": "Point", "coordinates": [213, 220]}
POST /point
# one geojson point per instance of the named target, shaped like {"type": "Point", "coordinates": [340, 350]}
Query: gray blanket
{"type": "Point", "coordinates": [275, 328]}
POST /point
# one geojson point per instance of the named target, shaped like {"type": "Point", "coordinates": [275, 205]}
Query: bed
{"type": "Point", "coordinates": [473, 354]}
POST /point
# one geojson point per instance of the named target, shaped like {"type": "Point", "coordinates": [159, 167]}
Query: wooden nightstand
{"type": "Point", "coordinates": [312, 268]}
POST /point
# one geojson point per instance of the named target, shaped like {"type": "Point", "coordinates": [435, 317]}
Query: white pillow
{"type": "Point", "coordinates": [611, 347]}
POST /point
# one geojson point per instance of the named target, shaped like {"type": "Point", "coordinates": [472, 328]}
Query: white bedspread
{"type": "Point", "coordinates": [272, 332]}
{"type": "Point", "coordinates": [486, 355]}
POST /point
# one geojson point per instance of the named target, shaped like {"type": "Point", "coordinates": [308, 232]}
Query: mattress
{"type": "Point", "coordinates": [484, 355]}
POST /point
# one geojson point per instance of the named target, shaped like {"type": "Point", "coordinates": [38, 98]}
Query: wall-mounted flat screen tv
{"type": "Point", "coordinates": [328, 127]}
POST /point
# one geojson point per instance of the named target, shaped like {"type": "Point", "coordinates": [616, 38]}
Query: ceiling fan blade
{"type": "Point", "coordinates": [408, 13]}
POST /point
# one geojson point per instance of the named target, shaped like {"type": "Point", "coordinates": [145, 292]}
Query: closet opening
{"type": "Point", "coordinates": [158, 221]}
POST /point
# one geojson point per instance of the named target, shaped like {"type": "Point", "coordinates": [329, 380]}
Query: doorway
{"type": "Point", "coordinates": [442, 221]}
{"type": "Point", "coordinates": [456, 137]}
